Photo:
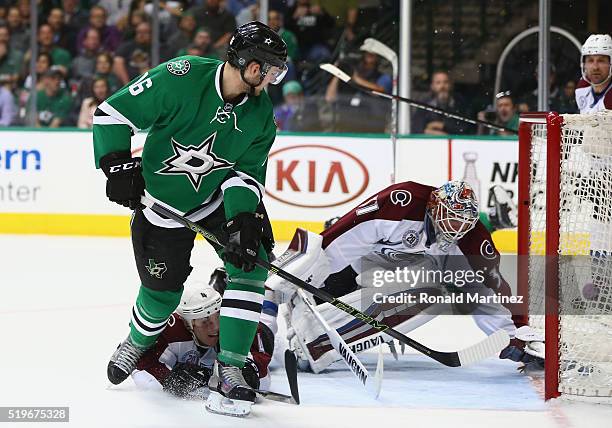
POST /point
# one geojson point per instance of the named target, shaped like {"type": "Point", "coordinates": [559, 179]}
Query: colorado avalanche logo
{"type": "Point", "coordinates": [486, 250]}
{"type": "Point", "coordinates": [401, 197]}
{"type": "Point", "coordinates": [410, 239]}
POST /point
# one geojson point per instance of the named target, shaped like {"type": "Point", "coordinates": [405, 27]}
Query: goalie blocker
{"type": "Point", "coordinates": [392, 229]}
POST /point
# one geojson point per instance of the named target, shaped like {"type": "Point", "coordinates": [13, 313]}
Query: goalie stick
{"type": "Point", "coordinates": [373, 386]}
{"type": "Point", "coordinates": [488, 347]}
{"type": "Point", "coordinates": [336, 72]}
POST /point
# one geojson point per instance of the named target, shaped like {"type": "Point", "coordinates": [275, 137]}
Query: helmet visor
{"type": "Point", "coordinates": [276, 74]}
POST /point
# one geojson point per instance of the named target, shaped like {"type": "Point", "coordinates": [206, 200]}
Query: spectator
{"type": "Point", "coordinates": [104, 69]}
{"type": "Point", "coordinates": [276, 22]}
{"type": "Point", "coordinates": [104, 66]}
{"type": "Point", "coordinates": [530, 101]}
{"type": "Point", "coordinates": [202, 43]}
{"type": "Point", "coordinates": [100, 92]}
{"type": "Point", "coordinates": [236, 6]}
{"type": "Point", "coordinates": [8, 110]}
{"type": "Point", "coordinates": [20, 34]}
{"type": "Point", "coordinates": [135, 18]}
{"type": "Point", "coordinates": [505, 114]}
{"type": "Point", "coordinates": [63, 35]}
{"type": "Point", "coordinates": [133, 56]}
{"type": "Point", "coordinates": [351, 106]}
{"type": "Point", "coordinates": [311, 24]}
{"type": "Point", "coordinates": [116, 10]}
{"type": "Point", "coordinates": [10, 62]}
{"type": "Point", "coordinates": [565, 102]}
{"type": "Point", "coordinates": [219, 22]}
{"type": "Point", "coordinates": [24, 9]}
{"type": "Point", "coordinates": [441, 96]}
{"type": "Point", "coordinates": [61, 57]}
{"type": "Point", "coordinates": [84, 65]}
{"type": "Point", "coordinates": [53, 102]}
{"type": "Point", "coordinates": [296, 114]}
{"type": "Point", "coordinates": [182, 38]}
{"type": "Point", "coordinates": [109, 33]}
{"type": "Point", "coordinates": [344, 13]}
{"type": "Point", "coordinates": [248, 14]}
{"type": "Point", "coordinates": [74, 15]}
{"type": "Point", "coordinates": [44, 62]}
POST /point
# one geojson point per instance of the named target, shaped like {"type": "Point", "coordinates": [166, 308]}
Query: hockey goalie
{"type": "Point", "coordinates": [405, 225]}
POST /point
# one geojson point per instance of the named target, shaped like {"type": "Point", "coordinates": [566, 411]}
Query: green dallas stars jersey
{"type": "Point", "coordinates": [199, 150]}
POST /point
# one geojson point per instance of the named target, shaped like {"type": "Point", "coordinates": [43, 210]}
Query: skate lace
{"type": "Point", "coordinates": [233, 376]}
{"type": "Point", "coordinates": [128, 356]}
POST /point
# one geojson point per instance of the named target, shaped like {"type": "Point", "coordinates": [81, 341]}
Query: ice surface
{"type": "Point", "coordinates": [65, 305]}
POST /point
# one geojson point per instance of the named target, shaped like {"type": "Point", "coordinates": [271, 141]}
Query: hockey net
{"type": "Point", "coordinates": [565, 247]}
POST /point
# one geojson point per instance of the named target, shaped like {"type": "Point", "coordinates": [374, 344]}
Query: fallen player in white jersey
{"type": "Point", "coordinates": [182, 358]}
{"type": "Point", "coordinates": [406, 224]}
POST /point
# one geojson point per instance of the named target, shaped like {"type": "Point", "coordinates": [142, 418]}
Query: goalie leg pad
{"type": "Point", "coordinates": [313, 348]}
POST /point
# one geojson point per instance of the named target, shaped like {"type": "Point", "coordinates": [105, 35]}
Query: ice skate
{"type": "Point", "coordinates": [123, 361]}
{"type": "Point", "coordinates": [229, 392]}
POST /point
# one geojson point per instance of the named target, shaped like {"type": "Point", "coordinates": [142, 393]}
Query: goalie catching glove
{"type": "Point", "coordinates": [125, 184]}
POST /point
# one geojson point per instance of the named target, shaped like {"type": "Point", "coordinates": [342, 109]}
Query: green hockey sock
{"type": "Point", "coordinates": [150, 314]}
{"type": "Point", "coordinates": [240, 312]}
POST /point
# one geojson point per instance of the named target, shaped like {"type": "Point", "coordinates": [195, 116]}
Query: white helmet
{"type": "Point", "coordinates": [596, 44]}
{"type": "Point", "coordinates": [199, 301]}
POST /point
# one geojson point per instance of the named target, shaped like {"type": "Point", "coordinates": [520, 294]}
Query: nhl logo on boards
{"type": "Point", "coordinates": [179, 68]}
{"type": "Point", "coordinates": [410, 238]}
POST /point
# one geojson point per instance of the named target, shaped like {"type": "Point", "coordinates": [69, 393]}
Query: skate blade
{"type": "Point", "coordinates": [217, 403]}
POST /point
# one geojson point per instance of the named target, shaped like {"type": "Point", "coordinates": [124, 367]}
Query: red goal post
{"type": "Point", "coordinates": [565, 247]}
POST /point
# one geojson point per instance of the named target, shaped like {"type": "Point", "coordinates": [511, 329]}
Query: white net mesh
{"type": "Point", "coordinates": [585, 249]}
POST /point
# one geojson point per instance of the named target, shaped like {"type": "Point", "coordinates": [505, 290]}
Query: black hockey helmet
{"type": "Point", "coordinates": [255, 41]}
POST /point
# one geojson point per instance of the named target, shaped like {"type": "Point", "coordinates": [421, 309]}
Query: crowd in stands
{"type": "Point", "coordinates": [89, 49]}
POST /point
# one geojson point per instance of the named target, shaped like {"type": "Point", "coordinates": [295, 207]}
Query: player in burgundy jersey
{"type": "Point", "coordinates": [406, 224]}
{"type": "Point", "coordinates": [182, 358]}
{"type": "Point", "coordinates": [594, 90]}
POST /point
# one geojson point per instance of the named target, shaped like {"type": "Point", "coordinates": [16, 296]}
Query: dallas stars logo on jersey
{"type": "Point", "coordinates": [156, 270]}
{"type": "Point", "coordinates": [194, 162]}
{"type": "Point", "coordinates": [179, 68]}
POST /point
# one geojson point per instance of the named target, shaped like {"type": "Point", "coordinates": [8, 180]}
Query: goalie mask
{"type": "Point", "coordinates": [596, 44]}
{"type": "Point", "coordinates": [198, 302]}
{"type": "Point", "coordinates": [453, 210]}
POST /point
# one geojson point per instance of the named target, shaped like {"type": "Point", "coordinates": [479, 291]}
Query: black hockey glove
{"type": "Point", "coordinates": [244, 237]}
{"type": "Point", "coordinates": [186, 378]}
{"type": "Point", "coordinates": [250, 372]}
{"type": "Point", "coordinates": [125, 184]}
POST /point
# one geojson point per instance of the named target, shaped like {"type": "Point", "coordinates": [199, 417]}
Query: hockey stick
{"type": "Point", "coordinates": [373, 386]}
{"type": "Point", "coordinates": [336, 72]}
{"type": "Point", "coordinates": [276, 396]}
{"type": "Point", "coordinates": [488, 347]}
{"type": "Point", "coordinates": [291, 370]}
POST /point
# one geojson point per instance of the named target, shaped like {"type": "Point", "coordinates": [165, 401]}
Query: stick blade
{"type": "Point", "coordinates": [489, 347]}
{"type": "Point", "coordinates": [291, 369]}
{"type": "Point", "coordinates": [335, 71]}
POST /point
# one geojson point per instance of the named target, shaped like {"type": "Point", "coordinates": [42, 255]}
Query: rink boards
{"type": "Point", "coordinates": [48, 183]}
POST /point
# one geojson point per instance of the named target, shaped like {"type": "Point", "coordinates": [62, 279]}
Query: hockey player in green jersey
{"type": "Point", "coordinates": [211, 128]}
